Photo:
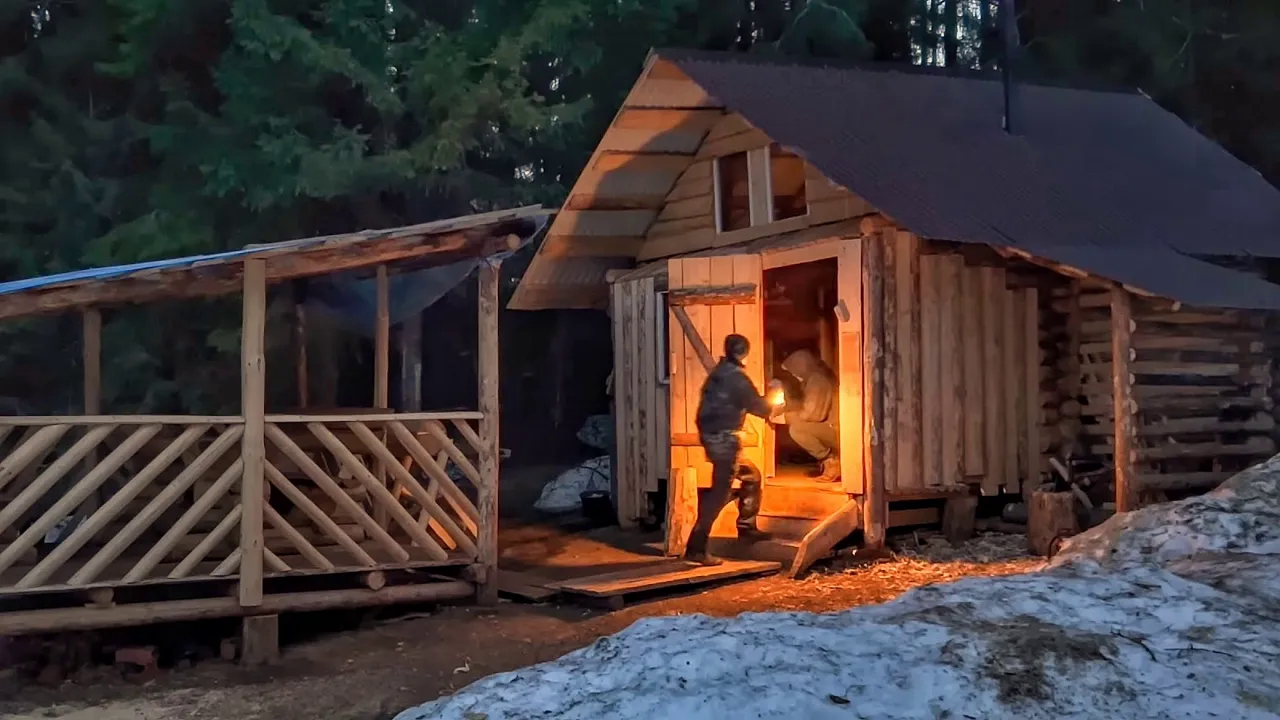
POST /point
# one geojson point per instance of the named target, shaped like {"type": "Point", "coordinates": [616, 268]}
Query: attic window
{"type": "Point", "coordinates": [786, 175]}
{"type": "Point", "coordinates": [733, 194]}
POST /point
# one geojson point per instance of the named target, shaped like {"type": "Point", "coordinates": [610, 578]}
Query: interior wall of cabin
{"type": "Point", "coordinates": [799, 314]}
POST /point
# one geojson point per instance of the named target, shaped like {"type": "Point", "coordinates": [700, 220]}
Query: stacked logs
{"type": "Point", "coordinates": [1201, 387]}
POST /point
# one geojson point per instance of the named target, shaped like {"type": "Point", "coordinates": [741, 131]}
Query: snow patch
{"type": "Point", "coordinates": [1168, 612]}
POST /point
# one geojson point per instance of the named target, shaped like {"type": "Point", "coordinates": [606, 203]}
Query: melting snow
{"type": "Point", "coordinates": [1169, 612]}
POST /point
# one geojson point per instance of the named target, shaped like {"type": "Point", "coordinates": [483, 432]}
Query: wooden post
{"type": "Point", "coordinates": [259, 639]}
{"type": "Point", "coordinates": [410, 341]}
{"type": "Point", "coordinates": [382, 341]}
{"type": "Point", "coordinates": [91, 354]}
{"type": "Point", "coordinates": [381, 372]}
{"type": "Point", "coordinates": [1122, 405]}
{"type": "Point", "coordinates": [91, 359]}
{"type": "Point", "coordinates": [487, 375]}
{"type": "Point", "coordinates": [253, 386]}
{"type": "Point", "coordinates": [300, 340]}
{"type": "Point", "coordinates": [876, 506]}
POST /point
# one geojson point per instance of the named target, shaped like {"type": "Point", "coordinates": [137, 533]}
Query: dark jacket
{"type": "Point", "coordinates": [727, 396]}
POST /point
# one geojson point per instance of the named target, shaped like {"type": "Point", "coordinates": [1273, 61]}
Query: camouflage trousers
{"type": "Point", "coordinates": [723, 449]}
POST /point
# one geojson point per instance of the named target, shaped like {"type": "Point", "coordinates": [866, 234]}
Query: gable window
{"type": "Point", "coordinates": [733, 192]}
{"type": "Point", "coordinates": [786, 176]}
{"type": "Point", "coordinates": [758, 187]}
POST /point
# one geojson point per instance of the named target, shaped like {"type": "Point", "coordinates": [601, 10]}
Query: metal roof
{"type": "Point", "coordinates": [1106, 180]}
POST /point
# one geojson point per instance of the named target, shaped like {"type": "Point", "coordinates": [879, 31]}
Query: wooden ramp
{"type": "Point", "coordinates": [612, 589]}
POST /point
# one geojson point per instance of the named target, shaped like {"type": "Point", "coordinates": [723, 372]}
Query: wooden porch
{"type": "Point", "coordinates": [117, 519]}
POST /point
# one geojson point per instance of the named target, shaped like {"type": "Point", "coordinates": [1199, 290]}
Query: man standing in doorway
{"type": "Point", "coordinates": [812, 421]}
{"type": "Point", "coordinates": [727, 396]}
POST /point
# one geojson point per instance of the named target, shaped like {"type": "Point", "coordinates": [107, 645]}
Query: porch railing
{"type": "Point", "coordinates": [93, 501]}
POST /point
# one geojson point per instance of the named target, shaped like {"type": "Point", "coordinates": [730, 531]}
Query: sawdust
{"type": "Point", "coordinates": [928, 558]}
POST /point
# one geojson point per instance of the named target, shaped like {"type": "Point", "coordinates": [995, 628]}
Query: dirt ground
{"type": "Point", "coordinates": [389, 664]}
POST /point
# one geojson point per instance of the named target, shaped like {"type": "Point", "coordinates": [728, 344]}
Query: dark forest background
{"type": "Point", "coordinates": [139, 129]}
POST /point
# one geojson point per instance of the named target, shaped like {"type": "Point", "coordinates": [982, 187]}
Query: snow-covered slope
{"type": "Point", "coordinates": [1169, 612]}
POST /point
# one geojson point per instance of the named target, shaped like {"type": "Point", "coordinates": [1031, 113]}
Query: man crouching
{"type": "Point", "coordinates": [727, 396]}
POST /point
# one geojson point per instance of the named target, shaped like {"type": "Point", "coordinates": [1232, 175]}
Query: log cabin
{"type": "Point", "coordinates": [986, 295]}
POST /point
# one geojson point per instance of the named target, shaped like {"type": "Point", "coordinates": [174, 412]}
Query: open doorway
{"type": "Point", "coordinates": [799, 317]}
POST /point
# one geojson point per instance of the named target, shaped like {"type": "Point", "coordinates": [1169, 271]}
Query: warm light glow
{"type": "Point", "coordinates": [777, 397]}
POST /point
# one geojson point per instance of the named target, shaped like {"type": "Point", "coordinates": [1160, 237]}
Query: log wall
{"type": "Point", "coordinates": [1201, 381]}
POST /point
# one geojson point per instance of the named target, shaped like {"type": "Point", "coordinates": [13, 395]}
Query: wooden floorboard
{"type": "Point", "coordinates": [675, 573]}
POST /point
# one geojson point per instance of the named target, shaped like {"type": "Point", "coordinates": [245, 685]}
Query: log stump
{"type": "Point", "coordinates": [1051, 516]}
{"type": "Point", "coordinates": [959, 516]}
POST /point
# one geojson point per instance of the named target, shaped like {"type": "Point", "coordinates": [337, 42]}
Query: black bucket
{"type": "Point", "coordinates": [597, 508]}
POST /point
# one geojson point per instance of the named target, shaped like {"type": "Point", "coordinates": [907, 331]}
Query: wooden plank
{"type": "Point", "coordinates": [731, 294]}
{"type": "Point", "coordinates": [619, 312]}
{"type": "Point", "coordinates": [1031, 390]}
{"type": "Point", "coordinates": [951, 375]}
{"type": "Point", "coordinates": [971, 337]}
{"type": "Point", "coordinates": [679, 416]}
{"type": "Point", "coordinates": [1013, 388]}
{"type": "Point", "coordinates": [642, 350]}
{"type": "Point", "coordinates": [993, 362]}
{"type": "Point", "coordinates": [682, 509]}
{"type": "Point", "coordinates": [604, 222]}
{"type": "Point", "coordinates": [488, 373]}
{"type": "Point", "coordinates": [819, 541]}
{"type": "Point", "coordinates": [91, 360]}
{"type": "Point", "coordinates": [660, 576]}
{"type": "Point", "coordinates": [876, 503]}
{"type": "Point", "coordinates": [524, 585]}
{"type": "Point", "coordinates": [849, 298]}
{"type": "Point", "coordinates": [748, 321]}
{"type": "Point", "coordinates": [1124, 415]}
{"type": "Point", "coordinates": [656, 453]}
{"type": "Point", "coordinates": [253, 389]}
{"type": "Point", "coordinates": [909, 418]}
{"type": "Point", "coordinates": [381, 368]}
{"type": "Point", "coordinates": [892, 359]}
{"type": "Point", "coordinates": [931, 352]}
{"type": "Point", "coordinates": [696, 324]}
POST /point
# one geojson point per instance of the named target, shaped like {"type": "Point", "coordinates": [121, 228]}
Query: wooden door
{"type": "Point", "coordinates": [708, 298]}
{"type": "Point", "coordinates": [849, 319]}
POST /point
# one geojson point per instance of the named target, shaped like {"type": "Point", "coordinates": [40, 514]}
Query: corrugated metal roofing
{"type": "Point", "coordinates": [1089, 175]}
{"type": "Point", "coordinates": [116, 272]}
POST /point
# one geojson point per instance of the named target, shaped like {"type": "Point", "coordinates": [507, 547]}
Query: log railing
{"type": "Point", "coordinates": [122, 500]}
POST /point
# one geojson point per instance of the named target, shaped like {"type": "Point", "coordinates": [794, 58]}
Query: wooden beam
{"type": "Point", "coordinates": [382, 340]}
{"type": "Point", "coordinates": [253, 387]}
{"type": "Point", "coordinates": [223, 277]}
{"type": "Point", "coordinates": [487, 375]}
{"type": "Point", "coordinates": [821, 539]}
{"type": "Point", "coordinates": [1122, 401]}
{"type": "Point", "coordinates": [381, 374]}
{"type": "Point", "coordinates": [744, 294]}
{"type": "Point", "coordinates": [691, 332]}
{"type": "Point", "coordinates": [876, 505]}
{"type": "Point", "coordinates": [303, 381]}
{"type": "Point", "coordinates": [91, 358]}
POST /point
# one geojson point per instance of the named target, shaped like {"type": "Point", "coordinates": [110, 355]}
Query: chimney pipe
{"type": "Point", "coordinates": [1011, 42]}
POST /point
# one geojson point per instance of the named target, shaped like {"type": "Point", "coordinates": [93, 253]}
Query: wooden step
{"type": "Point", "coordinates": [612, 588]}
{"type": "Point", "coordinates": [795, 500]}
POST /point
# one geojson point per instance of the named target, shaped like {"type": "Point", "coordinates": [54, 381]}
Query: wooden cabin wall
{"type": "Point", "coordinates": [1202, 382]}
{"type": "Point", "coordinates": [687, 221]}
{"type": "Point", "coordinates": [640, 397]}
{"type": "Point", "coordinates": [962, 393]}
